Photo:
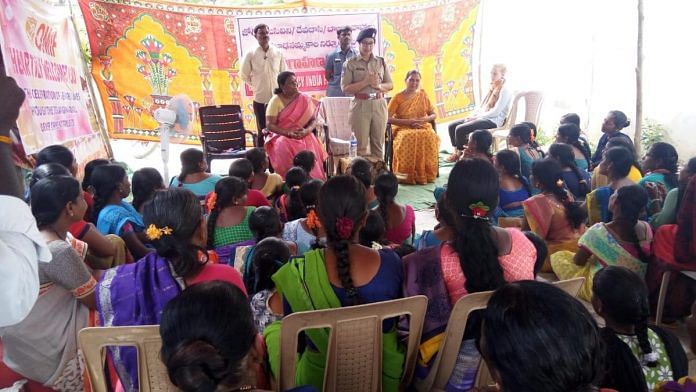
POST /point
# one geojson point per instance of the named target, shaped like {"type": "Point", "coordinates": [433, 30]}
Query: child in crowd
{"type": "Point", "coordinates": [442, 230]}
{"type": "Point", "coordinates": [638, 356]}
{"type": "Point", "coordinates": [305, 230]}
{"type": "Point", "coordinates": [193, 174]}
{"type": "Point", "coordinates": [267, 305]}
{"type": "Point", "coordinates": [228, 222]}
{"type": "Point", "coordinates": [304, 159]}
{"type": "Point", "coordinates": [400, 220]}
{"type": "Point", "coordinates": [146, 182]}
{"type": "Point", "coordinates": [576, 180]}
{"type": "Point", "coordinates": [624, 241]}
{"type": "Point", "coordinates": [520, 140]}
{"type": "Point", "coordinates": [294, 179]}
{"type": "Point", "coordinates": [514, 187]}
{"type": "Point", "coordinates": [570, 134]}
{"type": "Point", "coordinates": [270, 184]}
{"type": "Point", "coordinates": [244, 169]}
{"type": "Point", "coordinates": [553, 215]}
{"type": "Point", "coordinates": [112, 214]}
{"type": "Point", "coordinates": [361, 169]}
{"type": "Point", "coordinates": [479, 145]}
{"type": "Point", "coordinates": [372, 234]}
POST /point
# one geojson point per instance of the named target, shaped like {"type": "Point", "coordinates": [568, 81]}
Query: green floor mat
{"type": "Point", "coordinates": [420, 197]}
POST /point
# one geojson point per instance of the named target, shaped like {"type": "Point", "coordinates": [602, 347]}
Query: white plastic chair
{"type": "Point", "coordinates": [532, 108]}
{"type": "Point", "coordinates": [334, 114]}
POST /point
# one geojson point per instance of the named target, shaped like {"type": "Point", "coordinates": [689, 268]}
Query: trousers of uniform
{"type": "Point", "coordinates": [260, 114]}
{"type": "Point", "coordinates": [459, 130]}
{"type": "Point", "coordinates": [368, 121]}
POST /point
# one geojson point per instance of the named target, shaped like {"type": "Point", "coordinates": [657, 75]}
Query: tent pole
{"type": "Point", "coordinates": [639, 82]}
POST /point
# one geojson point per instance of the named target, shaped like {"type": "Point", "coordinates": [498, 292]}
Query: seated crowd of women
{"type": "Point", "coordinates": [218, 262]}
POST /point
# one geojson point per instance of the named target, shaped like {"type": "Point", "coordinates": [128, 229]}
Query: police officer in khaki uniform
{"type": "Point", "coordinates": [367, 78]}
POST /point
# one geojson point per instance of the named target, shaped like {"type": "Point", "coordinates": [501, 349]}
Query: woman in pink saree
{"type": "Point", "coordinates": [291, 118]}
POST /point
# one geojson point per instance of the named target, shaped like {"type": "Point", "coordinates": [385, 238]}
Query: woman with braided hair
{"type": "Point", "coordinates": [400, 220]}
{"type": "Point", "coordinates": [306, 232]}
{"type": "Point", "coordinates": [228, 222]}
{"type": "Point", "coordinates": [638, 356]}
{"type": "Point", "coordinates": [553, 214]}
{"type": "Point", "coordinates": [477, 256]}
{"type": "Point", "coordinates": [625, 241]}
{"type": "Point", "coordinates": [344, 274]}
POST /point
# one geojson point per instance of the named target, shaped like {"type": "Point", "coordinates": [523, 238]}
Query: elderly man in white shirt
{"type": "Point", "coordinates": [21, 245]}
{"type": "Point", "coordinates": [260, 69]}
{"type": "Point", "coordinates": [491, 114]}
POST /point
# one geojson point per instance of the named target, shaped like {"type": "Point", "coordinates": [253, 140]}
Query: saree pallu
{"type": "Point", "coordinates": [281, 150]}
{"type": "Point", "coordinates": [415, 158]}
{"type": "Point", "coordinates": [606, 251]}
{"type": "Point", "coordinates": [550, 223]}
{"type": "Point", "coordinates": [135, 294]}
{"type": "Point", "coordinates": [598, 205]}
{"type": "Point", "coordinates": [304, 284]}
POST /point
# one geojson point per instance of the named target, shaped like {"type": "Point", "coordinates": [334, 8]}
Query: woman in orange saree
{"type": "Point", "coordinates": [291, 118]}
{"type": "Point", "coordinates": [415, 142]}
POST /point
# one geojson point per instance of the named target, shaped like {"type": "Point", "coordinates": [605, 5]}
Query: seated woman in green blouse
{"type": "Point", "coordinates": [228, 222]}
{"type": "Point", "coordinates": [668, 214]}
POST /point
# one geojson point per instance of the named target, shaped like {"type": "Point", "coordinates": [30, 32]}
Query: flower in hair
{"type": "Point", "coordinates": [344, 227]}
{"type": "Point", "coordinates": [479, 210]}
{"type": "Point", "coordinates": [560, 183]}
{"type": "Point", "coordinates": [154, 233]}
{"type": "Point", "coordinates": [313, 220]}
{"type": "Point", "coordinates": [212, 200]}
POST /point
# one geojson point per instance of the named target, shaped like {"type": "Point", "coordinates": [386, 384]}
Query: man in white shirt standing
{"type": "Point", "coordinates": [260, 69]}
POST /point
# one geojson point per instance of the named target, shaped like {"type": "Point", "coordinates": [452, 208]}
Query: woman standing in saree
{"type": "Point", "coordinates": [43, 346]}
{"type": "Point", "coordinates": [625, 242]}
{"type": "Point", "coordinates": [344, 274]}
{"type": "Point", "coordinates": [415, 142]}
{"type": "Point", "coordinates": [291, 118]}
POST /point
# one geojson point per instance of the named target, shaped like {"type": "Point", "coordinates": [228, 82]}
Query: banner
{"type": "Point", "coordinates": [41, 52]}
{"type": "Point", "coordinates": [305, 40]}
{"type": "Point", "coordinates": [145, 52]}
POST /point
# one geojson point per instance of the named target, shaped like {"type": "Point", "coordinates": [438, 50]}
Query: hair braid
{"type": "Point", "coordinates": [212, 219]}
{"type": "Point", "coordinates": [340, 248]}
{"type": "Point", "coordinates": [641, 328]}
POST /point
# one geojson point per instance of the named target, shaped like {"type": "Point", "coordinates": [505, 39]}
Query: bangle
{"type": "Point", "coordinates": [6, 140]}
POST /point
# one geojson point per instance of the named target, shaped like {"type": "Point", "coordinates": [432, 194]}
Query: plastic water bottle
{"type": "Point", "coordinates": [353, 150]}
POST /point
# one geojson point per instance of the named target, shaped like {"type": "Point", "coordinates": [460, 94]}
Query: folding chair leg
{"type": "Point", "coordinates": [661, 297]}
